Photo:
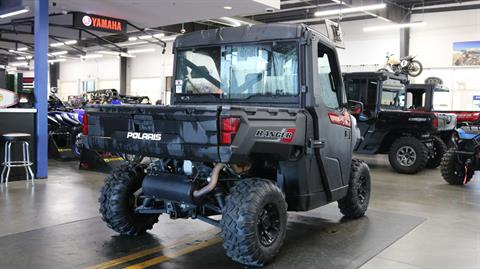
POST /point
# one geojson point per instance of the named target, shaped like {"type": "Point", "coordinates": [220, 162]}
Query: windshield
{"type": "Point", "coordinates": [393, 95]}
{"type": "Point", "coordinates": [238, 71]}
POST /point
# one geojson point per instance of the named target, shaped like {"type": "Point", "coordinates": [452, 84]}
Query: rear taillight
{"type": "Point", "coordinates": [85, 124]}
{"type": "Point", "coordinates": [435, 121]}
{"type": "Point", "coordinates": [228, 130]}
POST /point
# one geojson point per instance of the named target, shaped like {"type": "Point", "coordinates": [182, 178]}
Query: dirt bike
{"type": "Point", "coordinates": [406, 65]}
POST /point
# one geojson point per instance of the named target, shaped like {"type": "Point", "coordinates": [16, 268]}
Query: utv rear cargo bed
{"type": "Point", "coordinates": [155, 131]}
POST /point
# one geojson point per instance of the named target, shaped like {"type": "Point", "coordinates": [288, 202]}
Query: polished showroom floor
{"type": "Point", "coordinates": [414, 222]}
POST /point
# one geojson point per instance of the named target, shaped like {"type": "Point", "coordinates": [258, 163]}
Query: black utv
{"type": "Point", "coordinates": [408, 137]}
{"type": "Point", "coordinates": [259, 126]}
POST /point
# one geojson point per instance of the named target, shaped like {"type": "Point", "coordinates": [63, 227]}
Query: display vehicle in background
{"type": "Point", "coordinates": [408, 137]}
{"type": "Point", "coordinates": [258, 122]}
{"type": "Point", "coordinates": [406, 65]}
{"type": "Point", "coordinates": [423, 98]}
{"type": "Point", "coordinates": [463, 158]}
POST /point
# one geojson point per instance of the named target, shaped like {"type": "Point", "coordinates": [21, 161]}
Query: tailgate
{"type": "Point", "coordinates": [155, 131]}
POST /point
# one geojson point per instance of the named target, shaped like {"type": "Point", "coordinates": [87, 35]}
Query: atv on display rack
{"type": "Point", "coordinates": [408, 137]}
{"type": "Point", "coordinates": [259, 125]}
{"type": "Point", "coordinates": [463, 159]}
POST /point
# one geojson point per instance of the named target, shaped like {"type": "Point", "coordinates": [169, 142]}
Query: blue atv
{"type": "Point", "coordinates": [463, 159]}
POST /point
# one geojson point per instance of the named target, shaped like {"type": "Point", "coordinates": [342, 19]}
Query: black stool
{"type": "Point", "coordinates": [9, 140]}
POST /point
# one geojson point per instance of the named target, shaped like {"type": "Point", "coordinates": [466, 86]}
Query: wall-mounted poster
{"type": "Point", "coordinates": [466, 53]}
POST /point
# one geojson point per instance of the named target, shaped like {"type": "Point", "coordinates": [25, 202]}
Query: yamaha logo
{"type": "Point", "coordinates": [87, 20]}
{"type": "Point", "coordinates": [144, 136]}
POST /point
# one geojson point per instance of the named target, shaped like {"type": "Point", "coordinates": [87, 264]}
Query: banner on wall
{"type": "Point", "coordinates": [476, 102]}
{"type": "Point", "coordinates": [466, 53]}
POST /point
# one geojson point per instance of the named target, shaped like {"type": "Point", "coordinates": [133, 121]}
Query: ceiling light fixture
{"type": "Point", "coordinates": [71, 42]}
{"type": "Point", "coordinates": [56, 53]}
{"type": "Point", "coordinates": [57, 60]}
{"type": "Point", "coordinates": [91, 56]}
{"type": "Point", "coordinates": [132, 38]}
{"type": "Point", "coordinates": [15, 12]}
{"type": "Point", "coordinates": [394, 26]}
{"type": "Point", "coordinates": [143, 37]}
{"type": "Point", "coordinates": [57, 44]}
{"type": "Point", "coordinates": [142, 50]}
{"type": "Point", "coordinates": [132, 43]}
{"type": "Point", "coordinates": [21, 58]}
{"type": "Point", "coordinates": [228, 7]}
{"type": "Point", "coordinates": [349, 10]}
{"type": "Point", "coordinates": [18, 64]}
{"type": "Point", "coordinates": [22, 49]}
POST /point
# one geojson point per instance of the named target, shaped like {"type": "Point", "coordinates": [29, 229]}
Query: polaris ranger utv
{"type": "Point", "coordinates": [259, 125]}
{"type": "Point", "coordinates": [388, 127]}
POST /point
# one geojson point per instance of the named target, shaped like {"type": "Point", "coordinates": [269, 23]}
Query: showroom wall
{"type": "Point", "coordinates": [146, 74]}
{"type": "Point", "coordinates": [365, 51]}
{"type": "Point", "coordinates": [104, 72]}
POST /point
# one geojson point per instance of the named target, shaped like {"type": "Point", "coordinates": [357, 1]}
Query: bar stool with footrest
{"type": "Point", "coordinates": [10, 139]}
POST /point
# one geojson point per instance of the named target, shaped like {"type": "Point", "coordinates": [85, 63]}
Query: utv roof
{"type": "Point", "coordinates": [380, 75]}
{"type": "Point", "coordinates": [250, 33]}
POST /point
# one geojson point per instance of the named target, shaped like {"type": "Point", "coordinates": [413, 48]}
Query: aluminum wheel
{"type": "Point", "coordinates": [268, 224]}
{"type": "Point", "coordinates": [406, 156]}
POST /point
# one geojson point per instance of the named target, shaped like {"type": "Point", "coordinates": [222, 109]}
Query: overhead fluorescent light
{"type": "Point", "coordinates": [142, 50]}
{"type": "Point", "coordinates": [56, 53]}
{"type": "Point", "coordinates": [57, 44]}
{"type": "Point", "coordinates": [91, 56]}
{"type": "Point", "coordinates": [15, 12]}
{"type": "Point", "coordinates": [160, 35]}
{"type": "Point", "coordinates": [349, 10]}
{"type": "Point", "coordinates": [394, 26]}
{"type": "Point", "coordinates": [132, 38]}
{"type": "Point", "coordinates": [228, 7]}
{"type": "Point", "coordinates": [71, 42]}
{"type": "Point", "coordinates": [57, 60]}
{"type": "Point", "coordinates": [143, 37]}
{"type": "Point", "coordinates": [18, 64]}
{"type": "Point", "coordinates": [22, 49]}
{"type": "Point", "coordinates": [21, 58]}
{"type": "Point", "coordinates": [132, 43]}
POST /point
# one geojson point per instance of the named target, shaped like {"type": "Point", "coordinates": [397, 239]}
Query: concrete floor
{"type": "Point", "coordinates": [448, 238]}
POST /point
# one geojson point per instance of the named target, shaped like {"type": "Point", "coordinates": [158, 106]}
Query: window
{"type": "Point", "coordinates": [325, 78]}
{"type": "Point", "coordinates": [239, 71]}
{"type": "Point", "coordinates": [393, 95]}
{"type": "Point", "coordinates": [363, 90]}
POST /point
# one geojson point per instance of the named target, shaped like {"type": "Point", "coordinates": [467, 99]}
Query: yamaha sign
{"type": "Point", "coordinates": [99, 23]}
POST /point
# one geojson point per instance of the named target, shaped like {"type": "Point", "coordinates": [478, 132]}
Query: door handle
{"type": "Point", "coordinates": [317, 143]}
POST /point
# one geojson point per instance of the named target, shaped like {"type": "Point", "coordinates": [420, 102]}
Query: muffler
{"type": "Point", "coordinates": [178, 188]}
{"type": "Point", "coordinates": [171, 187]}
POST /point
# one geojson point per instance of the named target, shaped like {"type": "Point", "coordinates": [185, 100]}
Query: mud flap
{"type": "Point", "coordinates": [100, 162]}
{"type": "Point", "coordinates": [60, 151]}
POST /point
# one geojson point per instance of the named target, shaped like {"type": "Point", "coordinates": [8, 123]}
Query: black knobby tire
{"type": "Point", "coordinates": [418, 71]}
{"type": "Point", "coordinates": [453, 170]}
{"type": "Point", "coordinates": [355, 203]}
{"type": "Point", "coordinates": [439, 150]}
{"type": "Point", "coordinates": [117, 201]}
{"type": "Point", "coordinates": [254, 221]}
{"type": "Point", "coordinates": [410, 144]}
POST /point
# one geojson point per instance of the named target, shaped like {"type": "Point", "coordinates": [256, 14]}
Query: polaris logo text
{"type": "Point", "coordinates": [144, 136]}
{"type": "Point", "coordinates": [285, 135]}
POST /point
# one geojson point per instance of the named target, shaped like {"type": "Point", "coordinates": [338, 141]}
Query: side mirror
{"type": "Point", "coordinates": [355, 107]}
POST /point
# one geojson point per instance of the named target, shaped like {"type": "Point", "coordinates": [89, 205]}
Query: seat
{"type": "Point", "coordinates": [10, 139]}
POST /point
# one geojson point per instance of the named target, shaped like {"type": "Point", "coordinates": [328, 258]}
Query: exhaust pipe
{"type": "Point", "coordinates": [213, 181]}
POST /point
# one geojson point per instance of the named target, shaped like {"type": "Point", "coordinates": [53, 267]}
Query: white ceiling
{"type": "Point", "coordinates": [152, 13]}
